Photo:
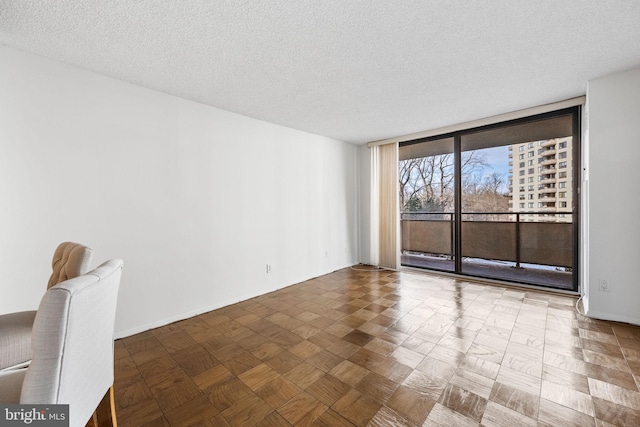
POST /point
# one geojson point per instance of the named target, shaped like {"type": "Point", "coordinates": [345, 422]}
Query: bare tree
{"type": "Point", "coordinates": [427, 183]}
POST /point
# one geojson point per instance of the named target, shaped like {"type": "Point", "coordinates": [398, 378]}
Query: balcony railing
{"type": "Point", "coordinates": [513, 239]}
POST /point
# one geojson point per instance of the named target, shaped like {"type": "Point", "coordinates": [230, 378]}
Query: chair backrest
{"type": "Point", "coordinates": [72, 342]}
{"type": "Point", "coordinates": [69, 260]}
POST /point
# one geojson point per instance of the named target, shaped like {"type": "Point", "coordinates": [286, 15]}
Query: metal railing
{"type": "Point", "coordinates": [522, 237]}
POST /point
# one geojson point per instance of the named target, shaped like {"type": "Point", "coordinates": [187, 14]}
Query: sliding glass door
{"type": "Point", "coordinates": [495, 202]}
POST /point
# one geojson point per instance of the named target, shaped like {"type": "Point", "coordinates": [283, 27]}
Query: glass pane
{"type": "Point", "coordinates": [427, 197]}
{"type": "Point", "coordinates": [517, 203]}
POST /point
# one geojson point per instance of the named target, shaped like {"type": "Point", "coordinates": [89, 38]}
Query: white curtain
{"type": "Point", "coordinates": [385, 248]}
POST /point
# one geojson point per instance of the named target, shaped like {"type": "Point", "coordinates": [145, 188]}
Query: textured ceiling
{"type": "Point", "coordinates": [358, 70]}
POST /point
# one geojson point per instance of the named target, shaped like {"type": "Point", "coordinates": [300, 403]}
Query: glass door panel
{"type": "Point", "coordinates": [427, 196]}
{"type": "Point", "coordinates": [516, 210]}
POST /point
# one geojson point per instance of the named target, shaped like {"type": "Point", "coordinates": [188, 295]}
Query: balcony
{"type": "Point", "coordinates": [493, 248]}
{"type": "Point", "coordinates": [550, 152]}
{"type": "Point", "coordinates": [548, 181]}
{"type": "Point", "coordinates": [547, 162]}
{"type": "Point", "coordinates": [549, 143]}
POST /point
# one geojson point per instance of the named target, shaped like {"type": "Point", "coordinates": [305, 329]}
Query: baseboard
{"type": "Point", "coordinates": [610, 316]}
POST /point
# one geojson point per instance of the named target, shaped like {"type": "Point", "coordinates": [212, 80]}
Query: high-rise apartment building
{"type": "Point", "coordinates": [540, 180]}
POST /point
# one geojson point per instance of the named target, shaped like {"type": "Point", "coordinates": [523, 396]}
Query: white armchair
{"type": "Point", "coordinates": [69, 260]}
{"type": "Point", "coordinates": [72, 343]}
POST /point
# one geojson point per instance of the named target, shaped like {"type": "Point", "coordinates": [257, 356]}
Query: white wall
{"type": "Point", "coordinates": [196, 200]}
{"type": "Point", "coordinates": [613, 104]}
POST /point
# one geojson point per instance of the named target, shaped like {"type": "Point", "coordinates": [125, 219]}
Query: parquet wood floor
{"type": "Point", "coordinates": [381, 348]}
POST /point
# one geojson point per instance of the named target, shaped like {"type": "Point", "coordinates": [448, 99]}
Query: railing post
{"type": "Point", "coordinates": [518, 240]}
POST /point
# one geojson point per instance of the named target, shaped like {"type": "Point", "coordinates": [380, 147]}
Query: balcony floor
{"type": "Point", "coordinates": [534, 276]}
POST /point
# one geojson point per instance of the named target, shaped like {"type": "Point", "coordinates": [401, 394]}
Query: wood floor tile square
{"type": "Point", "coordinates": [441, 416]}
{"type": "Point", "coordinates": [305, 349]}
{"type": "Point", "coordinates": [328, 389]}
{"type": "Point", "coordinates": [349, 373]}
{"type": "Point", "coordinates": [302, 409]}
{"type": "Point", "coordinates": [356, 407]}
{"type": "Point", "coordinates": [194, 360]}
{"type": "Point", "coordinates": [463, 402]}
{"type": "Point", "coordinates": [325, 360]}
{"type": "Point", "coordinates": [475, 383]}
{"type": "Point", "coordinates": [330, 418]}
{"type": "Point", "coordinates": [247, 412]}
{"type": "Point", "coordinates": [139, 414]}
{"type": "Point", "coordinates": [613, 393]}
{"type": "Point", "coordinates": [227, 394]}
{"type": "Point", "coordinates": [565, 378]}
{"type": "Point", "coordinates": [499, 416]}
{"type": "Point", "coordinates": [566, 396]}
{"type": "Point", "coordinates": [358, 338]}
{"type": "Point", "coordinates": [197, 411]}
{"type": "Point", "coordinates": [515, 399]}
{"type": "Point", "coordinates": [278, 391]}
{"type": "Point", "coordinates": [274, 419]}
{"type": "Point", "coordinates": [259, 376]}
{"type": "Point", "coordinates": [216, 375]}
{"type": "Point", "coordinates": [393, 370]}
{"type": "Point", "coordinates": [425, 385]}
{"type": "Point", "coordinates": [554, 415]}
{"type": "Point", "coordinates": [615, 414]}
{"type": "Point", "coordinates": [386, 417]}
{"type": "Point", "coordinates": [304, 375]}
{"type": "Point", "coordinates": [242, 362]}
{"type": "Point", "coordinates": [376, 386]}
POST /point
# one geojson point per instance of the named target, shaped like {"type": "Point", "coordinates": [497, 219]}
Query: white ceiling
{"type": "Point", "coordinates": [355, 70]}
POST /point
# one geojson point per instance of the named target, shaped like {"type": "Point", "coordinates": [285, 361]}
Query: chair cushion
{"type": "Point", "coordinates": [69, 260]}
{"type": "Point", "coordinates": [11, 385]}
{"type": "Point", "coordinates": [15, 338]}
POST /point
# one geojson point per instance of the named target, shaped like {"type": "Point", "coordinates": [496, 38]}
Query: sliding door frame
{"type": "Point", "coordinates": [576, 123]}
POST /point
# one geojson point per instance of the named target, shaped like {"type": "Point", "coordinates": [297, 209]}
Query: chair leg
{"type": "Point", "coordinates": [105, 413]}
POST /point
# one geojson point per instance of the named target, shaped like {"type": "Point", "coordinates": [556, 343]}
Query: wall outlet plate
{"type": "Point", "coordinates": [603, 285]}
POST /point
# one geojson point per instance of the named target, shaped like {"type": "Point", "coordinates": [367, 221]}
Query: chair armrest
{"type": "Point", "coordinates": [15, 338]}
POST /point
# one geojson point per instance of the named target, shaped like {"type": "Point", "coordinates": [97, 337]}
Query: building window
{"type": "Point", "coordinates": [563, 144]}
{"type": "Point", "coordinates": [531, 153]}
{"type": "Point", "coordinates": [531, 145]}
{"type": "Point", "coordinates": [530, 204]}
{"type": "Point", "coordinates": [562, 175]}
{"type": "Point", "coordinates": [563, 184]}
{"type": "Point", "coordinates": [562, 165]}
{"type": "Point", "coordinates": [521, 157]}
{"type": "Point", "coordinates": [521, 164]}
{"type": "Point", "coordinates": [530, 162]}
{"type": "Point", "coordinates": [530, 196]}
{"type": "Point", "coordinates": [531, 171]}
{"type": "Point", "coordinates": [563, 204]}
{"type": "Point", "coordinates": [530, 188]}
{"type": "Point", "coordinates": [522, 205]}
{"type": "Point", "coordinates": [562, 155]}
{"type": "Point", "coordinates": [521, 181]}
{"type": "Point", "coordinates": [530, 179]}
{"type": "Point", "coordinates": [521, 197]}
{"type": "Point", "coordinates": [521, 172]}
{"type": "Point", "coordinates": [541, 204]}
{"type": "Point", "coordinates": [521, 148]}
{"type": "Point", "coordinates": [562, 194]}
{"type": "Point", "coordinates": [521, 189]}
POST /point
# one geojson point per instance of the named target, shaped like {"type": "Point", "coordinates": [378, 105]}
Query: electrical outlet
{"type": "Point", "coordinates": [604, 285]}
{"type": "Point", "coordinates": [268, 268]}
